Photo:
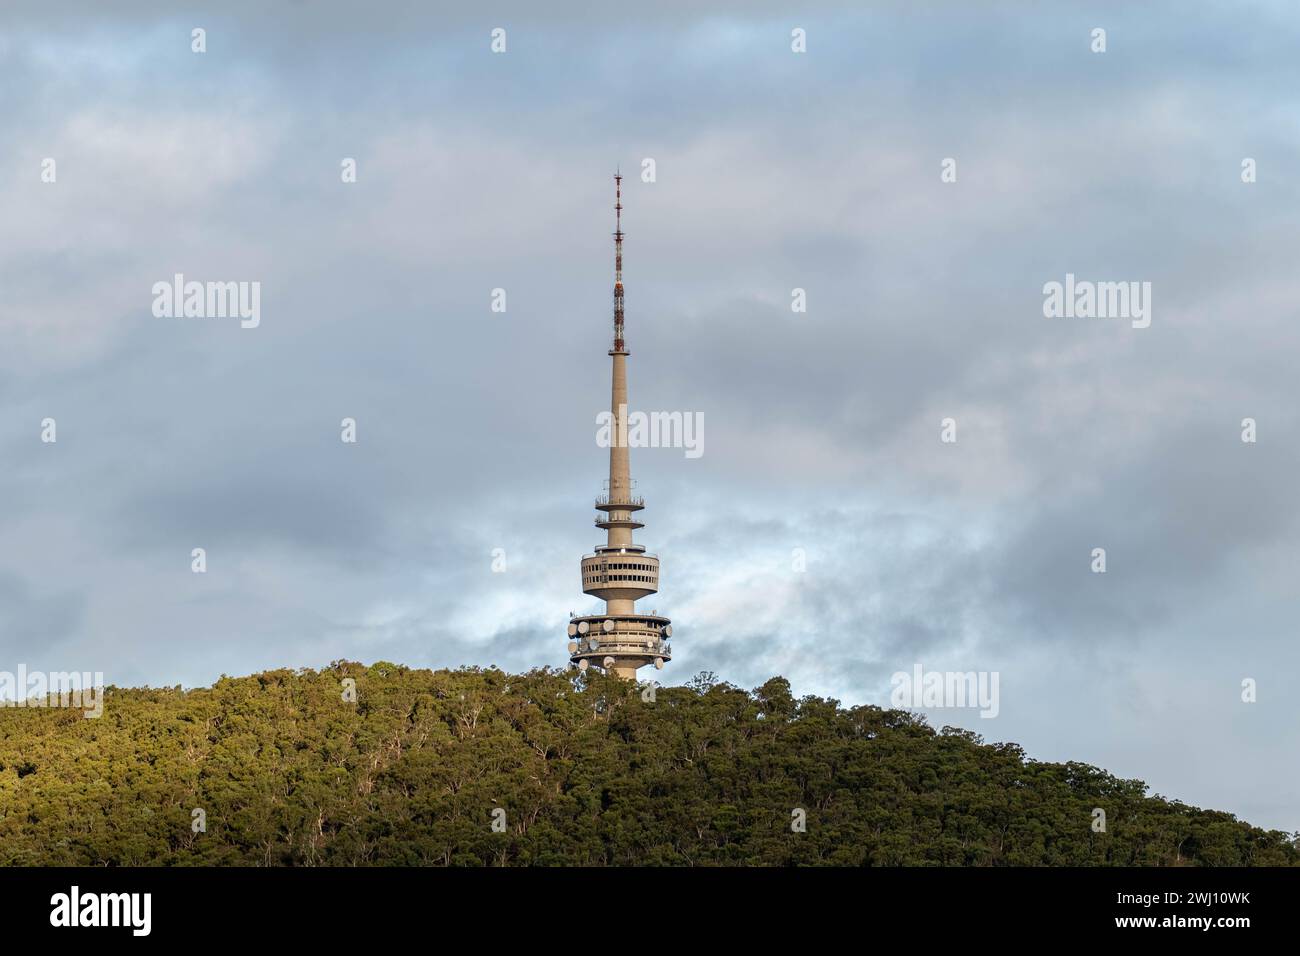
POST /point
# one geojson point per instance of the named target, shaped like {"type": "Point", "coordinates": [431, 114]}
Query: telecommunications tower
{"type": "Point", "coordinates": [619, 572]}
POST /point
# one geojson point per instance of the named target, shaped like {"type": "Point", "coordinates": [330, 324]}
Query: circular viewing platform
{"type": "Point", "coordinates": [615, 576]}
{"type": "Point", "coordinates": [608, 521]}
{"type": "Point", "coordinates": [630, 503]}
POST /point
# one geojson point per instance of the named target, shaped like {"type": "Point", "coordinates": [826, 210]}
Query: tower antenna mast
{"type": "Point", "coordinates": [618, 262]}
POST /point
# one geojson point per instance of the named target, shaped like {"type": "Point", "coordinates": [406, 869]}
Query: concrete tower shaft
{"type": "Point", "coordinates": [620, 572]}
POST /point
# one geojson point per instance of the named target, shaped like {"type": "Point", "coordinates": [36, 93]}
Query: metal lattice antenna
{"type": "Point", "coordinates": [618, 262]}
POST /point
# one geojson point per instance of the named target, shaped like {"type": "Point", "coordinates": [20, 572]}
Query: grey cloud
{"type": "Point", "coordinates": [477, 430]}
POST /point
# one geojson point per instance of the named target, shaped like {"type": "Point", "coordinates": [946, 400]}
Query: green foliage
{"type": "Point", "coordinates": [288, 772]}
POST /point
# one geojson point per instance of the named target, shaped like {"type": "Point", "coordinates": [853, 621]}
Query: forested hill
{"type": "Point", "coordinates": [418, 767]}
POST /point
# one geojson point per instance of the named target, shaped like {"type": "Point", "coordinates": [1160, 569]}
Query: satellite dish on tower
{"type": "Point", "coordinates": [659, 663]}
{"type": "Point", "coordinates": [668, 630]}
{"type": "Point", "coordinates": [573, 647]}
{"type": "Point", "coordinates": [608, 626]}
{"type": "Point", "coordinates": [584, 627]}
{"type": "Point", "coordinates": [573, 629]}
{"type": "Point", "coordinates": [582, 664]}
{"type": "Point", "coordinates": [609, 662]}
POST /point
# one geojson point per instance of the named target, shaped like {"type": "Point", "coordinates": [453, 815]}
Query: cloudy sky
{"type": "Point", "coordinates": [774, 170]}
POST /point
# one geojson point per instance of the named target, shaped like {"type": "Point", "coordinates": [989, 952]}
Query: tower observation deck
{"type": "Point", "coordinates": [620, 572]}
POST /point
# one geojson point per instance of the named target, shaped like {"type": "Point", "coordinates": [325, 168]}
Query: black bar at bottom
{"type": "Point", "coordinates": [333, 906]}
